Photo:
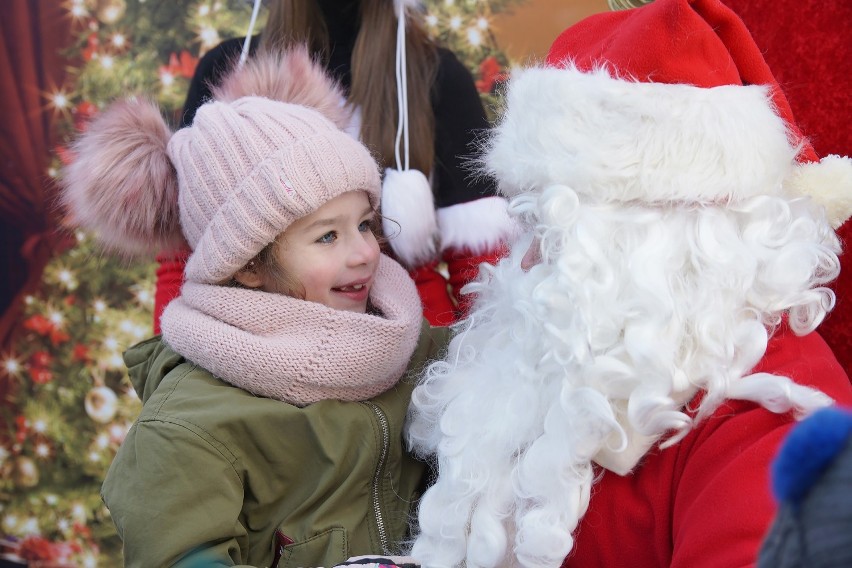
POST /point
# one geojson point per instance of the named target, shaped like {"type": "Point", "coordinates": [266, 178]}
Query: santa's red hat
{"type": "Point", "coordinates": [670, 102]}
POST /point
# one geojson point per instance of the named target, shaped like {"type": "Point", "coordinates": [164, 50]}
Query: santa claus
{"type": "Point", "coordinates": [627, 373]}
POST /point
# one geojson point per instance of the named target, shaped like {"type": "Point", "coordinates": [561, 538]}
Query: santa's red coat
{"type": "Point", "coordinates": [705, 502]}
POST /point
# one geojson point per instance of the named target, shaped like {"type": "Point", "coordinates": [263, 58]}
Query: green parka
{"type": "Point", "coordinates": [211, 475]}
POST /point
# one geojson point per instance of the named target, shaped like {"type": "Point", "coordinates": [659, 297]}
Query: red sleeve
{"type": "Point", "coordinates": [169, 281]}
{"type": "Point", "coordinates": [722, 505]}
{"type": "Point", "coordinates": [463, 267]}
{"type": "Point", "coordinates": [438, 307]}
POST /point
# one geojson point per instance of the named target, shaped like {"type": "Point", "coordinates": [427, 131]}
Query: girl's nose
{"type": "Point", "coordinates": [365, 249]}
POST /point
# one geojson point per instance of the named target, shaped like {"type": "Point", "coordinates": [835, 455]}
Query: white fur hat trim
{"type": "Point", "coordinates": [612, 139]}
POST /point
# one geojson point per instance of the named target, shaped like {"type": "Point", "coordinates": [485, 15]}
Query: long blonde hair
{"type": "Point", "coordinates": [373, 87]}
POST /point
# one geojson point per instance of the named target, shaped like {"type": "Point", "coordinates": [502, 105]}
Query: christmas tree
{"type": "Point", "coordinates": [71, 401]}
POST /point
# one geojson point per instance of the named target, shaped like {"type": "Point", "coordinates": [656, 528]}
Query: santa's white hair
{"type": "Point", "coordinates": [597, 350]}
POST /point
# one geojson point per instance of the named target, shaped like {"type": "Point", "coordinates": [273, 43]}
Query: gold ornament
{"type": "Point", "coordinates": [110, 11]}
{"type": "Point", "coordinates": [101, 404]}
{"type": "Point", "coordinates": [25, 473]}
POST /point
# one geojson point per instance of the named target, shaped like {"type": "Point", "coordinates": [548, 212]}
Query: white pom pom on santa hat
{"type": "Point", "coordinates": [829, 183]}
{"type": "Point", "coordinates": [408, 216]}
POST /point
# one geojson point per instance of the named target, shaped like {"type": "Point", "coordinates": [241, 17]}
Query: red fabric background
{"type": "Point", "coordinates": [807, 45]}
{"type": "Point", "coordinates": [33, 36]}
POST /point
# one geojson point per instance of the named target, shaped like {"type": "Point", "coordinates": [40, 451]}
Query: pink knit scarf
{"type": "Point", "coordinates": [294, 350]}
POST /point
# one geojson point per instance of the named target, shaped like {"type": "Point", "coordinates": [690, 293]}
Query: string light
{"type": "Point", "coordinates": [167, 79]}
{"type": "Point", "coordinates": [77, 9]}
{"type": "Point", "coordinates": [30, 527]}
{"type": "Point", "coordinates": [474, 37]}
{"type": "Point", "coordinates": [12, 366]}
{"type": "Point", "coordinates": [118, 40]}
{"type": "Point", "coordinates": [78, 513]}
{"type": "Point", "coordinates": [209, 36]}
{"type": "Point", "coordinates": [42, 450]}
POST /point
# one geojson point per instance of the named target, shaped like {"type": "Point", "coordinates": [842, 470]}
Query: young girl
{"type": "Point", "coordinates": [274, 400]}
{"type": "Point", "coordinates": [456, 217]}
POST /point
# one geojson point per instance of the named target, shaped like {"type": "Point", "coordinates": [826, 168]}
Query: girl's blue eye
{"type": "Point", "coordinates": [328, 238]}
{"type": "Point", "coordinates": [366, 225]}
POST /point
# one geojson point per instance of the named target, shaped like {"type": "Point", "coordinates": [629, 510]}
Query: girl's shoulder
{"type": "Point", "coordinates": [430, 346]}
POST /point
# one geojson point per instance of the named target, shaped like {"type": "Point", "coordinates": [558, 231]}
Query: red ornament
{"type": "Point", "coordinates": [23, 426]}
{"type": "Point", "coordinates": [58, 336]}
{"type": "Point", "coordinates": [37, 549]}
{"type": "Point", "coordinates": [83, 113]}
{"type": "Point", "coordinates": [39, 324]}
{"type": "Point", "coordinates": [489, 71]}
{"type": "Point", "coordinates": [66, 156]}
{"type": "Point", "coordinates": [182, 65]}
{"type": "Point", "coordinates": [40, 375]}
{"type": "Point", "coordinates": [40, 359]}
{"type": "Point", "coordinates": [91, 47]}
{"type": "Point", "coordinates": [80, 353]}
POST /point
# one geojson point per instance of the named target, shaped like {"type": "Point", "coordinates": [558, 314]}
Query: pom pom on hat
{"type": "Point", "coordinates": [812, 475]}
{"type": "Point", "coordinates": [408, 216]}
{"type": "Point", "coordinates": [829, 183]}
{"type": "Point", "coordinates": [122, 185]}
{"type": "Point", "coordinates": [808, 451]}
{"type": "Point", "coordinates": [289, 76]}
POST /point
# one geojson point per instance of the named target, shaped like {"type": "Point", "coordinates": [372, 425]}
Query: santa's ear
{"type": "Point", "coordinates": [250, 275]}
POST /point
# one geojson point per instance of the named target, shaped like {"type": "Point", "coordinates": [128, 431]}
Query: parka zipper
{"type": "Point", "coordinates": [383, 423]}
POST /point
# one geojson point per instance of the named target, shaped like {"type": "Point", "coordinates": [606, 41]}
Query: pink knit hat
{"type": "Point", "coordinates": [237, 178]}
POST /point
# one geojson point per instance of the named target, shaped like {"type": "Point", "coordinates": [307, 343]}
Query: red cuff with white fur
{"type": "Point", "coordinates": [438, 307]}
{"type": "Point", "coordinates": [463, 267]}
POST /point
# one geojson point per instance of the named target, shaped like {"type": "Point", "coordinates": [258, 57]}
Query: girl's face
{"type": "Point", "coordinates": [332, 253]}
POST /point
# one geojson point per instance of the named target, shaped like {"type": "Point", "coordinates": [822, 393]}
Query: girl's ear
{"type": "Point", "coordinates": [249, 276]}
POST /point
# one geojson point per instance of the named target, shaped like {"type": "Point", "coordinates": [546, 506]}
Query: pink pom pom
{"type": "Point", "coordinates": [122, 185]}
{"type": "Point", "coordinates": [290, 77]}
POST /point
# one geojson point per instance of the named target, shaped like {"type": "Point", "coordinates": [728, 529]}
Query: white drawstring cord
{"type": "Point", "coordinates": [247, 42]}
{"type": "Point", "coordinates": [401, 87]}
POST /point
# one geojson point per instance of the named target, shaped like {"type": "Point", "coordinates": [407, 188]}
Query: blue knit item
{"type": "Point", "coordinates": [808, 451]}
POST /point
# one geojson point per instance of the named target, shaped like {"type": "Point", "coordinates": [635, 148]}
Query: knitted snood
{"type": "Point", "coordinates": [294, 350]}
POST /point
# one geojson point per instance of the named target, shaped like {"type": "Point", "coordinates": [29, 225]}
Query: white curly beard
{"type": "Point", "coordinates": [591, 355]}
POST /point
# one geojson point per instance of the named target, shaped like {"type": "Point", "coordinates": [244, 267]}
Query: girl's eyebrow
{"type": "Point", "coordinates": [328, 221]}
